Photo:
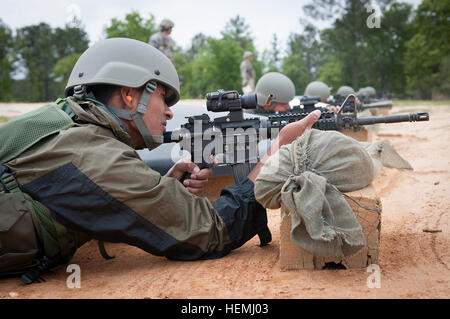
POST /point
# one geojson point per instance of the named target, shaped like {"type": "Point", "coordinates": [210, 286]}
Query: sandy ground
{"type": "Point", "coordinates": [15, 109]}
{"type": "Point", "coordinates": [413, 263]}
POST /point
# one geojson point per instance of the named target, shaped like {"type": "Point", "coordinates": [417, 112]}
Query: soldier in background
{"type": "Point", "coordinates": [282, 90]}
{"type": "Point", "coordinates": [345, 90]}
{"type": "Point", "coordinates": [162, 40]}
{"type": "Point", "coordinates": [248, 73]}
{"type": "Point", "coordinates": [317, 88]}
{"type": "Point", "coordinates": [280, 87]}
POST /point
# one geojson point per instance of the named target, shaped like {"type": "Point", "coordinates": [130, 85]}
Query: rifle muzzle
{"type": "Point", "coordinates": [411, 117]}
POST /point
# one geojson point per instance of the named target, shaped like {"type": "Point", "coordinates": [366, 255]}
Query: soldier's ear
{"type": "Point", "coordinates": [129, 97]}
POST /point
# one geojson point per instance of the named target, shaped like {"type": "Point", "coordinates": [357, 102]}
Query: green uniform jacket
{"type": "Point", "coordinates": [95, 183]}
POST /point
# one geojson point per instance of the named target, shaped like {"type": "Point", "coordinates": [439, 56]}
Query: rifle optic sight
{"type": "Point", "coordinates": [226, 101]}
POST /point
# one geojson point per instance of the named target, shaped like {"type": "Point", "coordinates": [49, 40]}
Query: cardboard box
{"type": "Point", "coordinates": [293, 257]}
{"type": "Point", "coordinates": [215, 186]}
{"type": "Point", "coordinates": [363, 135]}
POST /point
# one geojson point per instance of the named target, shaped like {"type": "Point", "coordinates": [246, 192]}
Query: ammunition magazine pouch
{"type": "Point", "coordinates": [19, 246]}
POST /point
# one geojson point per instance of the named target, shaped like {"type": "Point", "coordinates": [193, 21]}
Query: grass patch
{"type": "Point", "coordinates": [4, 119]}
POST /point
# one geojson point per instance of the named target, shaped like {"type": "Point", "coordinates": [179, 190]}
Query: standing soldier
{"type": "Point", "coordinates": [248, 73]}
{"type": "Point", "coordinates": [162, 40]}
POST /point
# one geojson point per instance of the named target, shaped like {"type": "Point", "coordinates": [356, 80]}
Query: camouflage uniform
{"type": "Point", "coordinates": [248, 77]}
{"type": "Point", "coordinates": [95, 184]}
{"type": "Point", "coordinates": [164, 43]}
{"type": "Point", "coordinates": [75, 160]}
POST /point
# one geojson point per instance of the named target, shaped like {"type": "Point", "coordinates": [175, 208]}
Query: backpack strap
{"type": "Point", "coordinates": [8, 183]}
{"type": "Point", "coordinates": [103, 252]}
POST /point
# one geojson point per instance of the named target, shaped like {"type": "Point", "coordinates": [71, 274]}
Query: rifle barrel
{"type": "Point", "coordinates": [377, 104]}
{"type": "Point", "coordinates": [411, 117]}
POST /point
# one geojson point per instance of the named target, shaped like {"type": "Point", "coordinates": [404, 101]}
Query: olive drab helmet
{"type": "Point", "coordinates": [371, 91]}
{"type": "Point", "coordinates": [130, 63]}
{"type": "Point", "coordinates": [345, 90]}
{"type": "Point", "coordinates": [362, 93]}
{"type": "Point", "coordinates": [317, 88]}
{"type": "Point", "coordinates": [166, 24]}
{"type": "Point", "coordinates": [247, 54]}
{"type": "Point", "coordinates": [277, 84]}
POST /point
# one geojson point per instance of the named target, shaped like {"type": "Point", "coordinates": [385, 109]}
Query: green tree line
{"type": "Point", "coordinates": [400, 51]}
{"type": "Point", "coordinates": [36, 60]}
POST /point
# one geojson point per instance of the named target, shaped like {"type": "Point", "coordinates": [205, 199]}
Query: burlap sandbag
{"type": "Point", "coordinates": [384, 154]}
{"type": "Point", "coordinates": [309, 175]}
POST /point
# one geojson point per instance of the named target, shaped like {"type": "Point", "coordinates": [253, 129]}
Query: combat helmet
{"type": "Point", "coordinates": [277, 84]}
{"type": "Point", "coordinates": [370, 91]}
{"type": "Point", "coordinates": [166, 24]}
{"type": "Point", "coordinates": [247, 54]}
{"type": "Point", "coordinates": [345, 90]}
{"type": "Point", "coordinates": [362, 93]}
{"type": "Point", "coordinates": [317, 88]}
{"type": "Point", "coordinates": [130, 63]}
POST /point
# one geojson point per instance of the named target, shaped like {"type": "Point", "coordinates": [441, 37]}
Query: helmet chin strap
{"type": "Point", "coordinates": [151, 141]}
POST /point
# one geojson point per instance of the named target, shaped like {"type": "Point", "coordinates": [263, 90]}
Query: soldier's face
{"type": "Point", "coordinates": [282, 107]}
{"type": "Point", "coordinates": [155, 118]}
{"type": "Point", "coordinates": [158, 113]}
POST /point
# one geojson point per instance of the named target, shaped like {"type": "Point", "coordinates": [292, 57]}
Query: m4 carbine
{"type": "Point", "coordinates": [235, 139]}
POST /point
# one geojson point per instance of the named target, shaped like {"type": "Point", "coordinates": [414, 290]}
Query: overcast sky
{"type": "Point", "coordinates": [265, 17]}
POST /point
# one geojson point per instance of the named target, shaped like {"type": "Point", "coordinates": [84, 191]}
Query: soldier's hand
{"type": "Point", "coordinates": [198, 181]}
{"type": "Point", "coordinates": [290, 132]}
{"type": "Point", "coordinates": [333, 109]}
{"type": "Point", "coordinates": [199, 177]}
{"type": "Point", "coordinates": [287, 135]}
